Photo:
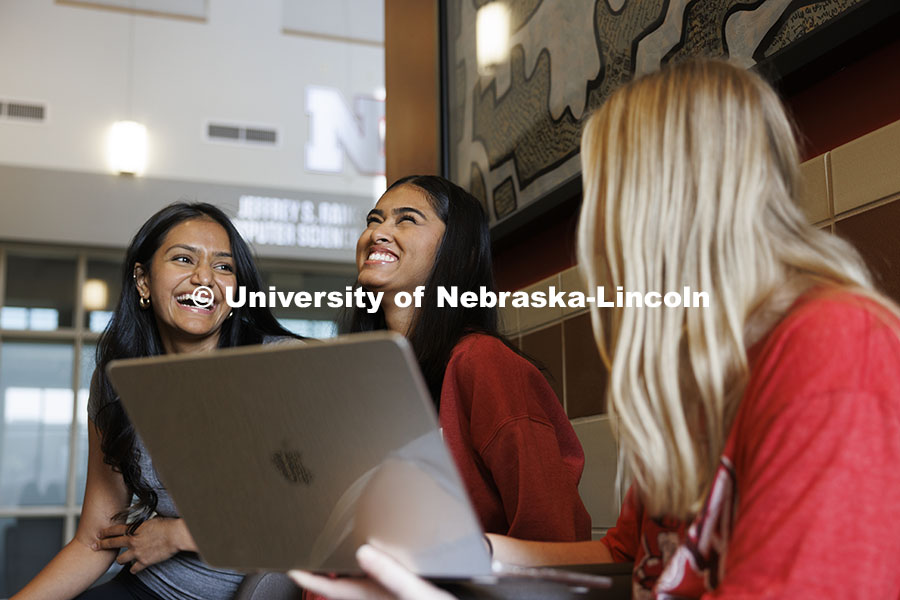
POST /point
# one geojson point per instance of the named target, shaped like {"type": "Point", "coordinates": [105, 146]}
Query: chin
{"type": "Point", "coordinates": [200, 334]}
{"type": "Point", "coordinates": [371, 283]}
{"type": "Point", "coordinates": [200, 329]}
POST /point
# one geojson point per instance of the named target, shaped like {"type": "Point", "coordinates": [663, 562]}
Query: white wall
{"type": "Point", "coordinates": [236, 67]}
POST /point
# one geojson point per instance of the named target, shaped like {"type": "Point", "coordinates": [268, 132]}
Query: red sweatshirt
{"type": "Point", "coordinates": [514, 447]}
{"type": "Point", "coordinates": [806, 501]}
{"type": "Point", "coordinates": [513, 444]}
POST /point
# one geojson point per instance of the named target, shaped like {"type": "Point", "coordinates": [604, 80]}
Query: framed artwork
{"type": "Point", "coordinates": [511, 123]}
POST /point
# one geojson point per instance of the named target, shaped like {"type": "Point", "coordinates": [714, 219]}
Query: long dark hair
{"type": "Point", "coordinates": [132, 333]}
{"type": "Point", "coordinates": [463, 260]}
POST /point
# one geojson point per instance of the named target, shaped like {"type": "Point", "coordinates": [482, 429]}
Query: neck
{"type": "Point", "coordinates": [396, 318]}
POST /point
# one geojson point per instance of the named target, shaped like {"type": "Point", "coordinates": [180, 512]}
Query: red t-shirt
{"type": "Point", "coordinates": [806, 501]}
{"type": "Point", "coordinates": [646, 541]}
{"type": "Point", "coordinates": [513, 444]}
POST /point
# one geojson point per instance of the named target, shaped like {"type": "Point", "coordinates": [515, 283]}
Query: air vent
{"type": "Point", "coordinates": [225, 132]}
{"type": "Point", "coordinates": [260, 135]}
{"type": "Point", "coordinates": [21, 111]}
{"type": "Point", "coordinates": [31, 112]}
{"type": "Point", "coordinates": [237, 133]}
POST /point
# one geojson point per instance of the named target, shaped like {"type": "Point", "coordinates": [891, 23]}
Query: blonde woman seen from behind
{"type": "Point", "coordinates": [768, 421]}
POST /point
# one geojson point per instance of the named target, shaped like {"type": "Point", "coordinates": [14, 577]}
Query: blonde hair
{"type": "Point", "coordinates": [689, 179]}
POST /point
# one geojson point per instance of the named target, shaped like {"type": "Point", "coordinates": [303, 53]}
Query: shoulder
{"type": "Point", "coordinates": [837, 315]}
{"type": "Point", "coordinates": [282, 339]}
{"type": "Point", "coordinates": [833, 348]}
{"type": "Point", "coordinates": [476, 347]}
{"type": "Point", "coordinates": [479, 355]}
{"type": "Point", "coordinates": [832, 334]}
{"type": "Point", "coordinates": [484, 367]}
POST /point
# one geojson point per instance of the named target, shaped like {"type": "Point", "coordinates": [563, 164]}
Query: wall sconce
{"type": "Point", "coordinates": [127, 148]}
{"type": "Point", "coordinates": [491, 36]}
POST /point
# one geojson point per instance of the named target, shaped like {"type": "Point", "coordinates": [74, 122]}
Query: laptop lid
{"type": "Point", "coordinates": [292, 455]}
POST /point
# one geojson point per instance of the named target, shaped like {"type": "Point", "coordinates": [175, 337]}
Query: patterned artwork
{"type": "Point", "coordinates": [513, 130]}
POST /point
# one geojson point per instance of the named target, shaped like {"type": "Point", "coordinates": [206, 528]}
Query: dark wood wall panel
{"type": "Point", "coordinates": [411, 83]}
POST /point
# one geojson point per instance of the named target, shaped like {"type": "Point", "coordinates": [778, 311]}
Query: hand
{"type": "Point", "coordinates": [155, 540]}
{"type": "Point", "coordinates": [389, 579]}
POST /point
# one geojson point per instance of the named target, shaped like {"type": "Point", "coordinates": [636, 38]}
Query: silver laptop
{"type": "Point", "coordinates": [292, 455]}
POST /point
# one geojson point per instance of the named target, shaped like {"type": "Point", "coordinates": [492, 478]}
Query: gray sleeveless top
{"type": "Point", "coordinates": [184, 576]}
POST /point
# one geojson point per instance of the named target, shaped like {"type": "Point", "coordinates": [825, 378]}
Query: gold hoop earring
{"type": "Point", "coordinates": [144, 302]}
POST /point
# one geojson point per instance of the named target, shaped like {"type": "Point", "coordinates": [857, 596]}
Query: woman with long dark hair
{"type": "Point", "coordinates": [178, 250]}
{"type": "Point", "coordinates": [515, 448]}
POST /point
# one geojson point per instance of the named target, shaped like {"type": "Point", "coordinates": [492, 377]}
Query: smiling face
{"type": "Point", "coordinates": [397, 249]}
{"type": "Point", "coordinates": [194, 253]}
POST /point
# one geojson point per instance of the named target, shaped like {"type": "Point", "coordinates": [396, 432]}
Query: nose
{"type": "Point", "coordinates": [202, 274]}
{"type": "Point", "coordinates": [382, 233]}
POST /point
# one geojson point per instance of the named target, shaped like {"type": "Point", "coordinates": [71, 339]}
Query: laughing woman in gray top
{"type": "Point", "coordinates": [127, 515]}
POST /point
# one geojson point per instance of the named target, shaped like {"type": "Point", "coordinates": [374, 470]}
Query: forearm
{"type": "Point", "coordinates": [182, 536]}
{"type": "Point", "coordinates": [533, 554]}
{"type": "Point", "coordinates": [70, 572]}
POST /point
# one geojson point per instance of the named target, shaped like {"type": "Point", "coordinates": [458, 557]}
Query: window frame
{"type": "Point", "coordinates": [79, 336]}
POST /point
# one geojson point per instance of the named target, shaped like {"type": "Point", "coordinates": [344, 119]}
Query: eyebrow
{"type": "Point", "coordinates": [196, 251]}
{"type": "Point", "coordinates": [406, 209]}
{"type": "Point", "coordinates": [397, 211]}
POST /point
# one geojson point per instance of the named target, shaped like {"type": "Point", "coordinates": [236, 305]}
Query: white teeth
{"type": "Point", "coordinates": [182, 298]}
{"type": "Point", "coordinates": [382, 256]}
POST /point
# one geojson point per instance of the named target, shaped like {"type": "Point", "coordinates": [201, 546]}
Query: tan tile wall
{"type": "Point", "coordinates": [867, 169]}
{"type": "Point", "coordinates": [853, 190]}
{"type": "Point", "coordinates": [561, 340]}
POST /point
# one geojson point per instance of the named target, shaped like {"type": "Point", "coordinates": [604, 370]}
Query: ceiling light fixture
{"type": "Point", "coordinates": [127, 140]}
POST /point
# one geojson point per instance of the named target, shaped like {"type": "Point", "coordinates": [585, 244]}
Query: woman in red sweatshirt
{"type": "Point", "coordinates": [511, 440]}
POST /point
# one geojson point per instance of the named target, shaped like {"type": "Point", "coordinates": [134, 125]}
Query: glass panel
{"type": "Point", "coordinates": [86, 369]}
{"type": "Point", "coordinates": [36, 404]}
{"type": "Point", "coordinates": [101, 292]}
{"type": "Point", "coordinates": [98, 320]}
{"type": "Point", "coordinates": [40, 293]}
{"type": "Point", "coordinates": [28, 545]}
{"type": "Point", "coordinates": [313, 329]}
{"type": "Point", "coordinates": [14, 317]}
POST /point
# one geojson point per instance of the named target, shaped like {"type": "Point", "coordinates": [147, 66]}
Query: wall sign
{"type": "Point", "coordinates": [336, 130]}
{"type": "Point", "coordinates": [302, 223]}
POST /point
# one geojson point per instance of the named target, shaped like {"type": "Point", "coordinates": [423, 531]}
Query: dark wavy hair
{"type": "Point", "coordinates": [132, 333]}
{"type": "Point", "coordinates": [463, 260]}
